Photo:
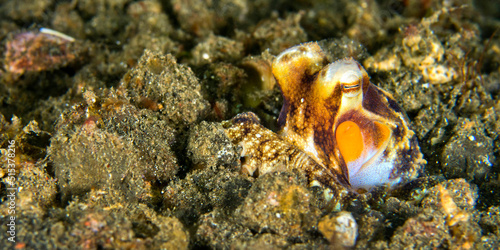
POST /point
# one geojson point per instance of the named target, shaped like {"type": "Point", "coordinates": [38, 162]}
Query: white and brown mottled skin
{"type": "Point", "coordinates": [335, 125]}
{"type": "Point", "coordinates": [264, 152]}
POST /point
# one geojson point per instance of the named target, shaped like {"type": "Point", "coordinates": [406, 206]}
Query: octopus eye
{"type": "Point", "coordinates": [351, 83]}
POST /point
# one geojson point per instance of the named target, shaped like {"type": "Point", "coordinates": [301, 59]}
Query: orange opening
{"type": "Point", "coordinates": [349, 140]}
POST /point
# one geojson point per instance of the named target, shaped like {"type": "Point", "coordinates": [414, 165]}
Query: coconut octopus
{"type": "Point", "coordinates": [335, 125]}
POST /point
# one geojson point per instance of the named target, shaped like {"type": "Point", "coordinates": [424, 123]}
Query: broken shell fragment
{"type": "Point", "coordinates": [41, 50]}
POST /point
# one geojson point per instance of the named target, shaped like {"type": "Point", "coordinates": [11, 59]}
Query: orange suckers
{"type": "Point", "coordinates": [349, 141]}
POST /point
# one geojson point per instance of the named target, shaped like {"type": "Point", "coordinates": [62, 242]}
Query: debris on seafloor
{"type": "Point", "coordinates": [215, 48]}
{"type": "Point", "coordinates": [260, 81]}
{"type": "Point", "coordinates": [162, 85]}
{"type": "Point", "coordinates": [278, 35]}
{"type": "Point", "coordinates": [207, 140]}
{"type": "Point", "coordinates": [46, 49]}
{"type": "Point", "coordinates": [339, 229]}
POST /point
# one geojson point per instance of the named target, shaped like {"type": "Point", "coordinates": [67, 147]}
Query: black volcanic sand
{"type": "Point", "coordinates": [119, 139]}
